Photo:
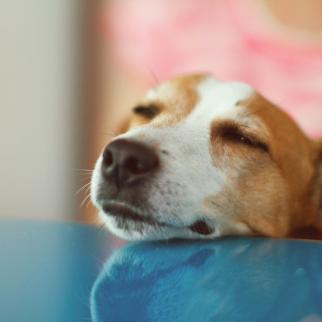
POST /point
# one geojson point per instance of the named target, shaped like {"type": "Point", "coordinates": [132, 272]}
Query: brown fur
{"type": "Point", "coordinates": [174, 107]}
{"type": "Point", "coordinates": [277, 194]}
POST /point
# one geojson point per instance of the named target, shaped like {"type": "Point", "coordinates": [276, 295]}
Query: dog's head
{"type": "Point", "coordinates": [203, 158]}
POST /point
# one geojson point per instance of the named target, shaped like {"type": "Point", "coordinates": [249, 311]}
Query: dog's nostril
{"type": "Point", "coordinates": [134, 166]}
{"type": "Point", "coordinates": [137, 166]}
{"type": "Point", "coordinates": [107, 158]}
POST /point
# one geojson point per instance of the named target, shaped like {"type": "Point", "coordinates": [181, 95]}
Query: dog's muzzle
{"type": "Point", "coordinates": [128, 168]}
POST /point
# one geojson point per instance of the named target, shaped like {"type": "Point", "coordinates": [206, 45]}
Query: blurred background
{"type": "Point", "coordinates": [70, 71]}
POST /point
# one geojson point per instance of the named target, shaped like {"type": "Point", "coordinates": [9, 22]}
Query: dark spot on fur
{"type": "Point", "coordinates": [201, 228]}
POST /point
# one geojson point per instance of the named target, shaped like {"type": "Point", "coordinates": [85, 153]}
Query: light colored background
{"type": "Point", "coordinates": [38, 108]}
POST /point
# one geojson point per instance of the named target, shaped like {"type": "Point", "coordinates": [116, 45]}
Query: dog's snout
{"type": "Point", "coordinates": [124, 161]}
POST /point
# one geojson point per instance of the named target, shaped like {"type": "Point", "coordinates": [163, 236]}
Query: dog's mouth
{"type": "Point", "coordinates": [124, 213]}
{"type": "Point", "coordinates": [201, 227]}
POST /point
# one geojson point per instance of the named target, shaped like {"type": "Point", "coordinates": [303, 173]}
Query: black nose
{"type": "Point", "coordinates": [125, 161]}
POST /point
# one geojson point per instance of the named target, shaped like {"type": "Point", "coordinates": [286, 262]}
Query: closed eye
{"type": "Point", "coordinates": [234, 134]}
{"type": "Point", "coordinates": [147, 111]}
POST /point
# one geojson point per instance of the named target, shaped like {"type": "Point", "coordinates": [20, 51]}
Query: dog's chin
{"type": "Point", "coordinates": [125, 213]}
{"type": "Point", "coordinates": [131, 223]}
{"type": "Point", "coordinates": [131, 230]}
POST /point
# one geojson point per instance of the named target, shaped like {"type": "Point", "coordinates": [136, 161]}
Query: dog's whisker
{"type": "Point", "coordinates": [87, 190]}
{"type": "Point", "coordinates": [85, 175]}
{"type": "Point", "coordinates": [88, 202]}
{"type": "Point", "coordinates": [154, 77]}
{"type": "Point", "coordinates": [86, 199]}
{"type": "Point", "coordinates": [84, 187]}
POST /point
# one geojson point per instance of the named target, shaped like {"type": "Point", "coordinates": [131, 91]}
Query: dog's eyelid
{"type": "Point", "coordinates": [242, 135]}
{"type": "Point", "coordinates": [255, 140]}
{"type": "Point", "coordinates": [148, 111]}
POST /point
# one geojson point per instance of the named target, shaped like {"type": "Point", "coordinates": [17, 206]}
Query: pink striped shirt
{"type": "Point", "coordinates": [232, 41]}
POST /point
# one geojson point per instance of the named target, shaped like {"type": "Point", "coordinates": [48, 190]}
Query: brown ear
{"type": "Point", "coordinates": [318, 185]}
{"type": "Point", "coordinates": [319, 176]}
{"type": "Point", "coordinates": [314, 229]}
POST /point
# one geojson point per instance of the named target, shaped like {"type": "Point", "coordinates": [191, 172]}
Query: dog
{"type": "Point", "coordinates": [202, 158]}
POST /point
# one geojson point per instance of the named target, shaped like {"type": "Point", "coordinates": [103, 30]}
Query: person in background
{"type": "Point", "coordinates": [275, 45]}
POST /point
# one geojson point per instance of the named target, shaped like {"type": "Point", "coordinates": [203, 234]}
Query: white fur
{"type": "Point", "coordinates": [188, 174]}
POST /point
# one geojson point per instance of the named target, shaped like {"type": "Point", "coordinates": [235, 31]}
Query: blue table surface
{"type": "Point", "coordinates": [55, 272]}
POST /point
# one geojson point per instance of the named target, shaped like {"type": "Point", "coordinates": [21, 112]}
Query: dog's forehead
{"type": "Point", "coordinates": [221, 99]}
{"type": "Point", "coordinates": [200, 96]}
{"type": "Point", "coordinates": [179, 87]}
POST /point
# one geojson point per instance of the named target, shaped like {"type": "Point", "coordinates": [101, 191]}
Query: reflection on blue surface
{"type": "Point", "coordinates": [226, 280]}
{"type": "Point", "coordinates": [47, 270]}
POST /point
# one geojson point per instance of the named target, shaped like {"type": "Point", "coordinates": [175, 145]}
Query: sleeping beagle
{"type": "Point", "coordinates": [203, 158]}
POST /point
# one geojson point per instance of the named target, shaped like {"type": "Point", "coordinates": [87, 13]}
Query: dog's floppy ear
{"type": "Point", "coordinates": [319, 176]}
{"type": "Point", "coordinates": [312, 228]}
{"type": "Point", "coordinates": [318, 183]}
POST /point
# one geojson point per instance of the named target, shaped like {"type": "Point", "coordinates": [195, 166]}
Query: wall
{"type": "Point", "coordinates": [38, 108]}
